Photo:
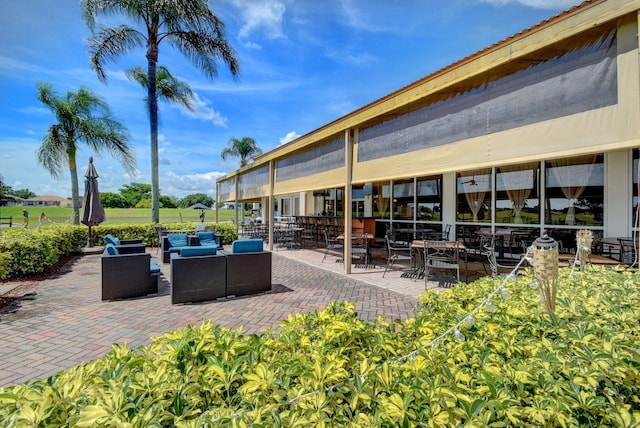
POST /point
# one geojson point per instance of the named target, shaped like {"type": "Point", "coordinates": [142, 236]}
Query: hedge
{"type": "Point", "coordinates": [26, 252]}
{"type": "Point", "coordinates": [511, 364]}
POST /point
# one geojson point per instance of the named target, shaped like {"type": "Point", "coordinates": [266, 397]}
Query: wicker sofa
{"type": "Point", "coordinates": [197, 274]}
{"type": "Point", "coordinates": [127, 275]}
{"type": "Point", "coordinates": [200, 273]}
{"type": "Point", "coordinates": [248, 268]}
{"type": "Point", "coordinates": [125, 246]}
{"type": "Point", "coordinates": [172, 243]}
{"type": "Point", "coordinates": [206, 239]}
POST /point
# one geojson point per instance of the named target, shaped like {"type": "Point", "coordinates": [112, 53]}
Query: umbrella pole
{"type": "Point", "coordinates": [90, 240]}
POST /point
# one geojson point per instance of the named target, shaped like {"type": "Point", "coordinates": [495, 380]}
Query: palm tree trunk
{"type": "Point", "coordinates": [152, 57]}
{"type": "Point", "coordinates": [73, 172]}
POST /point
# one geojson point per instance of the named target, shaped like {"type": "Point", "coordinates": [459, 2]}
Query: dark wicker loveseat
{"type": "Point", "coordinates": [197, 274]}
{"type": "Point", "coordinates": [128, 275]}
{"type": "Point", "coordinates": [248, 268]}
{"type": "Point", "coordinates": [125, 246]}
{"type": "Point", "coordinates": [172, 243]}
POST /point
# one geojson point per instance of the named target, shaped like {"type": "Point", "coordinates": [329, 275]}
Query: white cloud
{"type": "Point", "coordinates": [537, 4]}
{"type": "Point", "coordinates": [354, 16]}
{"type": "Point", "coordinates": [263, 17]}
{"type": "Point", "coordinates": [173, 184]}
{"type": "Point", "coordinates": [289, 137]}
{"type": "Point", "coordinates": [204, 111]}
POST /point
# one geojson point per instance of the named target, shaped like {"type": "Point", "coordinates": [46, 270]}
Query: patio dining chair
{"type": "Point", "coordinates": [331, 244]}
{"type": "Point", "coordinates": [443, 257]}
{"type": "Point", "coordinates": [360, 253]}
{"type": "Point", "coordinates": [501, 264]}
{"type": "Point", "coordinates": [396, 253]}
{"type": "Point", "coordinates": [160, 231]}
{"type": "Point", "coordinates": [627, 251]}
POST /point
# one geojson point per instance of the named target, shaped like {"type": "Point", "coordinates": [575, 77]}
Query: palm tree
{"type": "Point", "coordinates": [81, 116]}
{"type": "Point", "coordinates": [244, 149]}
{"type": "Point", "coordinates": [169, 88]}
{"type": "Point", "coordinates": [187, 25]}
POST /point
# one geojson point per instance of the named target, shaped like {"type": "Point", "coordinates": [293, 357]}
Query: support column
{"type": "Point", "coordinates": [235, 203]}
{"type": "Point", "coordinates": [217, 201]}
{"type": "Point", "coordinates": [270, 210]}
{"type": "Point", "coordinates": [348, 215]}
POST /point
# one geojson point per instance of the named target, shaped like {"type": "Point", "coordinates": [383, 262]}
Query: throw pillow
{"type": "Point", "coordinates": [177, 239]}
{"type": "Point", "coordinates": [111, 250]}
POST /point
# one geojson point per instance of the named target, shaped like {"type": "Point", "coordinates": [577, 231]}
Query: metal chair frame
{"type": "Point", "coordinates": [440, 257]}
{"type": "Point", "coordinates": [395, 253]}
{"type": "Point", "coordinates": [331, 244]}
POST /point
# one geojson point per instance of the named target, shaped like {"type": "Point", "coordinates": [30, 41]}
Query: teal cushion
{"type": "Point", "coordinates": [197, 251]}
{"type": "Point", "coordinates": [154, 267]}
{"type": "Point", "coordinates": [207, 239]}
{"type": "Point", "coordinates": [247, 246]}
{"type": "Point", "coordinates": [177, 239]}
{"type": "Point", "coordinates": [111, 250]}
{"type": "Point", "coordinates": [110, 239]}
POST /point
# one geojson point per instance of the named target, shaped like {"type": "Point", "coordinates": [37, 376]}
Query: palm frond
{"type": "Point", "coordinates": [108, 44]}
{"type": "Point", "coordinates": [52, 154]}
{"type": "Point", "coordinates": [205, 50]}
{"type": "Point", "coordinates": [168, 87]}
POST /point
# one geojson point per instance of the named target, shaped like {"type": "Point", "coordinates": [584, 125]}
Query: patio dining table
{"type": "Point", "coordinates": [419, 246]}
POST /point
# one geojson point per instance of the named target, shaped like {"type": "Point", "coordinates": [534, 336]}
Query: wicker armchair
{"type": "Point", "coordinates": [128, 275]}
{"type": "Point", "coordinates": [198, 278]}
{"type": "Point", "coordinates": [248, 268]}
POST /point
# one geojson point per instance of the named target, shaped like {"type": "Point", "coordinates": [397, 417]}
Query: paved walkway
{"type": "Point", "coordinates": [67, 323]}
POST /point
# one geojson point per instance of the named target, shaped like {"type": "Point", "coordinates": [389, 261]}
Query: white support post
{"type": "Point", "coordinates": [348, 215]}
{"type": "Point", "coordinates": [271, 216]}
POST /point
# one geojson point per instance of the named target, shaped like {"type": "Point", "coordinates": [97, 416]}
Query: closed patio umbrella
{"type": "Point", "coordinates": [92, 211]}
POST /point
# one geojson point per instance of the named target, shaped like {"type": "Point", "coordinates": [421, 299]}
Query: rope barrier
{"type": "Point", "coordinates": [486, 302]}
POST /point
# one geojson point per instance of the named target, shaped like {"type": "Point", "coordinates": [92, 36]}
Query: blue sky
{"type": "Point", "coordinates": [304, 63]}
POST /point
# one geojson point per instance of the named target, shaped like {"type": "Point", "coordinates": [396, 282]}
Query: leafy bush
{"type": "Point", "coordinates": [34, 251]}
{"type": "Point", "coordinates": [228, 230]}
{"type": "Point", "coordinates": [511, 365]}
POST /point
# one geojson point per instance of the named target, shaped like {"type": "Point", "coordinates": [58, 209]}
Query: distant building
{"type": "Point", "coordinates": [10, 200]}
{"type": "Point", "coordinates": [198, 206]}
{"type": "Point", "coordinates": [47, 201]}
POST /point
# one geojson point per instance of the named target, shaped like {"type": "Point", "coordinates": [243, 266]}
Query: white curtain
{"type": "Point", "coordinates": [475, 185]}
{"type": "Point", "coordinates": [573, 176]}
{"type": "Point", "coordinates": [381, 200]}
{"type": "Point", "coordinates": [519, 181]}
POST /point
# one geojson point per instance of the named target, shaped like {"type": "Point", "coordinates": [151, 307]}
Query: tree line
{"type": "Point", "coordinates": [138, 195]}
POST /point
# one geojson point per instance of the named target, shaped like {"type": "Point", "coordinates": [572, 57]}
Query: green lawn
{"type": "Point", "coordinates": [114, 215]}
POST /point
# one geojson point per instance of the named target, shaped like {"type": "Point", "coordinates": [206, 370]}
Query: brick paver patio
{"type": "Point", "coordinates": [67, 323]}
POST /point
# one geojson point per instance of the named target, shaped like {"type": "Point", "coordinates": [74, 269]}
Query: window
{"type": "Point", "coordinates": [403, 203]}
{"type": "Point", "coordinates": [381, 200]}
{"type": "Point", "coordinates": [474, 196]}
{"type": "Point", "coordinates": [517, 194]}
{"type": "Point", "coordinates": [429, 199]}
{"type": "Point", "coordinates": [575, 191]}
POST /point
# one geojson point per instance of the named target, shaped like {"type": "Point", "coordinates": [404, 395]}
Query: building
{"type": "Point", "coordinates": [47, 201]}
{"type": "Point", "coordinates": [538, 132]}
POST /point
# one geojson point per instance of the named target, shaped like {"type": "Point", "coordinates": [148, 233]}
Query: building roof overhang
{"type": "Point", "coordinates": [516, 49]}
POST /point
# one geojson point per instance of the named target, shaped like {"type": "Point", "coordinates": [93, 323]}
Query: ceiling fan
{"type": "Point", "coordinates": [471, 182]}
